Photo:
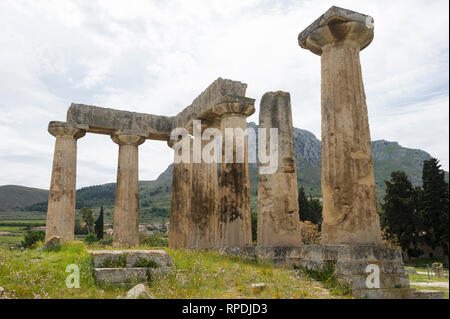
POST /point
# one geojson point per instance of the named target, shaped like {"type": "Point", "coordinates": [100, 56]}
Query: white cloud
{"type": "Point", "coordinates": [156, 57]}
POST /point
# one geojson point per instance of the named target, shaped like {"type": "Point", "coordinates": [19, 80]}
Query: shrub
{"type": "Point", "coordinates": [32, 238]}
{"type": "Point", "coordinates": [91, 238]}
{"type": "Point", "coordinates": [153, 240]}
{"type": "Point", "coordinates": [107, 240]}
{"type": "Point", "coordinates": [310, 233]}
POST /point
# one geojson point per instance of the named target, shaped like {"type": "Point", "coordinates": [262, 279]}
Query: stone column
{"type": "Point", "coordinates": [180, 204]}
{"type": "Point", "coordinates": [61, 201]}
{"type": "Point", "coordinates": [278, 217]}
{"type": "Point", "coordinates": [126, 207]}
{"type": "Point", "coordinates": [348, 186]}
{"type": "Point", "coordinates": [204, 218]}
{"type": "Point", "coordinates": [234, 227]}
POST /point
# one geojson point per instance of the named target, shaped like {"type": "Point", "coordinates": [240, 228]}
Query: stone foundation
{"type": "Point", "coordinates": [349, 262]}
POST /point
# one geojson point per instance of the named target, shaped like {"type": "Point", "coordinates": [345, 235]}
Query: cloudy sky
{"type": "Point", "coordinates": [157, 56]}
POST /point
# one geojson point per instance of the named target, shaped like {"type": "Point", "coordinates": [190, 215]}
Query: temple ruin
{"type": "Point", "coordinates": [210, 204]}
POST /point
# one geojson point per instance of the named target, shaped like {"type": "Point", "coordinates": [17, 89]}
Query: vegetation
{"type": "Point", "coordinates": [153, 240]}
{"type": "Point", "coordinates": [401, 214]}
{"type": "Point", "coordinates": [197, 274]}
{"type": "Point", "coordinates": [87, 216]}
{"type": "Point", "coordinates": [120, 262]}
{"type": "Point", "coordinates": [413, 215]}
{"type": "Point", "coordinates": [310, 233]}
{"type": "Point", "coordinates": [99, 225]}
{"type": "Point", "coordinates": [329, 279]}
{"type": "Point", "coordinates": [91, 238]}
{"type": "Point", "coordinates": [435, 203]}
{"type": "Point", "coordinates": [32, 237]}
{"type": "Point", "coordinates": [309, 210]}
{"type": "Point", "coordinates": [13, 197]}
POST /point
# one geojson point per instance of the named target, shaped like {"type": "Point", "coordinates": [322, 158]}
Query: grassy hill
{"type": "Point", "coordinates": [14, 197]}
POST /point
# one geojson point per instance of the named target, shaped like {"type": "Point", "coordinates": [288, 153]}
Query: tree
{"type": "Point", "coordinates": [401, 216]}
{"type": "Point", "coordinates": [309, 210]}
{"type": "Point", "coordinates": [99, 225]}
{"type": "Point", "coordinates": [88, 217]}
{"type": "Point", "coordinates": [435, 203]}
{"type": "Point", "coordinates": [303, 205]}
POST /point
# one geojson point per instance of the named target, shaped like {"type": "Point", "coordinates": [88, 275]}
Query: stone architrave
{"type": "Point", "coordinates": [61, 201]}
{"type": "Point", "coordinates": [278, 216]}
{"type": "Point", "coordinates": [348, 186]}
{"type": "Point", "coordinates": [234, 227]}
{"type": "Point", "coordinates": [126, 207]}
{"type": "Point", "coordinates": [180, 204]}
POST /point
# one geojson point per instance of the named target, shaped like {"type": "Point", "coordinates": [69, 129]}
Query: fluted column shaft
{"type": "Point", "coordinates": [126, 207]}
{"type": "Point", "coordinates": [180, 204]}
{"type": "Point", "coordinates": [204, 219]}
{"type": "Point", "coordinates": [234, 227]}
{"type": "Point", "coordinates": [61, 201]}
{"type": "Point", "coordinates": [348, 186]}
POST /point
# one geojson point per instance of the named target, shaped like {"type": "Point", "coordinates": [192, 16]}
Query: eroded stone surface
{"type": "Point", "coordinates": [278, 217]}
{"type": "Point", "coordinates": [348, 186]}
{"type": "Point", "coordinates": [234, 228]}
{"type": "Point", "coordinates": [61, 201]}
{"type": "Point", "coordinates": [126, 207]}
{"type": "Point", "coordinates": [180, 205]}
{"type": "Point", "coordinates": [204, 206]}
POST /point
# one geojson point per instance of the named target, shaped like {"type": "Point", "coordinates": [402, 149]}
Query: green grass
{"type": "Point", "coordinates": [445, 290]}
{"type": "Point", "coordinates": [329, 279]}
{"type": "Point", "coordinates": [197, 274]}
{"type": "Point", "coordinates": [424, 278]}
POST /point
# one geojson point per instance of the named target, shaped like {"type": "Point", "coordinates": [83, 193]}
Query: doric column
{"type": "Point", "coordinates": [204, 206]}
{"type": "Point", "coordinates": [278, 218]}
{"type": "Point", "coordinates": [126, 207]}
{"type": "Point", "coordinates": [61, 201]}
{"type": "Point", "coordinates": [348, 186]}
{"type": "Point", "coordinates": [180, 204]}
{"type": "Point", "coordinates": [234, 227]}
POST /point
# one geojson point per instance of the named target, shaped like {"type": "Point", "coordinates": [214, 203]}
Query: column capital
{"type": "Point", "coordinates": [337, 26]}
{"type": "Point", "coordinates": [236, 105]}
{"type": "Point", "coordinates": [128, 139]}
{"type": "Point", "coordinates": [60, 129]}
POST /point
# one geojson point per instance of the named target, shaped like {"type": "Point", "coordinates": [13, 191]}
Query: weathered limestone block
{"type": "Point", "coordinates": [126, 207]}
{"type": "Point", "coordinates": [160, 257]}
{"type": "Point", "coordinates": [101, 257]}
{"type": "Point", "coordinates": [61, 201]}
{"type": "Point", "coordinates": [278, 216]}
{"type": "Point", "coordinates": [139, 292]}
{"type": "Point", "coordinates": [202, 108]}
{"type": "Point", "coordinates": [234, 227]}
{"type": "Point", "coordinates": [123, 275]}
{"type": "Point", "coordinates": [103, 120]}
{"type": "Point", "coordinates": [180, 204]}
{"type": "Point", "coordinates": [348, 186]}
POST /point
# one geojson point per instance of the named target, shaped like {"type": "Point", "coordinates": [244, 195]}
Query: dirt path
{"type": "Point", "coordinates": [441, 284]}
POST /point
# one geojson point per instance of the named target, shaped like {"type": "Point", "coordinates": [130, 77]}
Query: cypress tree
{"type": "Point", "coordinates": [401, 215]}
{"type": "Point", "coordinates": [435, 203]}
{"type": "Point", "coordinates": [99, 225]}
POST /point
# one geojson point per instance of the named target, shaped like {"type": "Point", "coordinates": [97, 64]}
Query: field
{"type": "Point", "coordinates": [14, 225]}
{"type": "Point", "coordinates": [197, 274]}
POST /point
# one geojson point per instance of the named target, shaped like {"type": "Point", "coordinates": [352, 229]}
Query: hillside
{"type": "Point", "coordinates": [13, 197]}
